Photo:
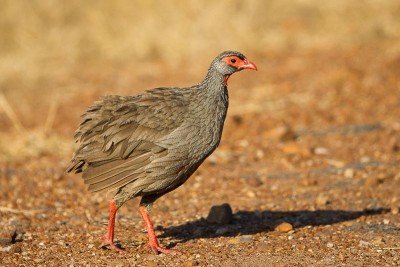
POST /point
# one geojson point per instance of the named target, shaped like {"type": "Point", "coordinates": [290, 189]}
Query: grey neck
{"type": "Point", "coordinates": [214, 80]}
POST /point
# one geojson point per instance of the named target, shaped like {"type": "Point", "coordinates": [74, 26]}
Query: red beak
{"type": "Point", "coordinates": [248, 65]}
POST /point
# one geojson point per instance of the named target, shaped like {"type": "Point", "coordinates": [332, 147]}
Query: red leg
{"type": "Point", "coordinates": [153, 242]}
{"type": "Point", "coordinates": [108, 239]}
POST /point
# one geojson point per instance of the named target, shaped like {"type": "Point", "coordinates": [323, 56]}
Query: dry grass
{"type": "Point", "coordinates": [74, 51]}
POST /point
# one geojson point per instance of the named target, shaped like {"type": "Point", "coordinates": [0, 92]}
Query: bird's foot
{"type": "Point", "coordinates": [157, 249]}
{"type": "Point", "coordinates": [105, 241]}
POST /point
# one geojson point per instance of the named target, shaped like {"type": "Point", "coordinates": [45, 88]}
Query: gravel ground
{"type": "Point", "coordinates": [308, 164]}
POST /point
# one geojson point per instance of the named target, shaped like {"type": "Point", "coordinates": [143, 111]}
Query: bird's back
{"type": "Point", "coordinates": [150, 143]}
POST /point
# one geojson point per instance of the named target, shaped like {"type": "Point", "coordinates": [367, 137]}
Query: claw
{"type": "Point", "coordinates": [106, 242]}
{"type": "Point", "coordinates": [157, 249]}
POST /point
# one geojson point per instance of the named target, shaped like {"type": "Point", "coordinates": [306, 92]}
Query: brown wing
{"type": "Point", "coordinates": [118, 138]}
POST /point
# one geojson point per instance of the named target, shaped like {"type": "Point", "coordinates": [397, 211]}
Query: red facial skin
{"type": "Point", "coordinates": [238, 63]}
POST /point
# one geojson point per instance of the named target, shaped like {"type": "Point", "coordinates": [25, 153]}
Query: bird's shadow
{"type": "Point", "coordinates": [252, 222]}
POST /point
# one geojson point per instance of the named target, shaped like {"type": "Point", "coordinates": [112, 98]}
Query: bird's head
{"type": "Point", "coordinates": [229, 62]}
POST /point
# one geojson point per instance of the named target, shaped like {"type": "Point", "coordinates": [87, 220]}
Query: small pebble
{"type": "Point", "coordinates": [188, 264]}
{"type": "Point", "coordinates": [329, 245]}
{"type": "Point", "coordinates": [259, 154]}
{"type": "Point", "coordinates": [6, 249]}
{"type": "Point", "coordinates": [386, 221]}
{"type": "Point", "coordinates": [364, 243]}
{"type": "Point", "coordinates": [16, 249]}
{"type": "Point", "coordinates": [39, 260]}
{"type": "Point", "coordinates": [246, 239]}
{"type": "Point", "coordinates": [117, 263]}
{"type": "Point", "coordinates": [151, 264]}
{"type": "Point", "coordinates": [336, 163]}
{"type": "Point", "coordinates": [233, 241]}
{"type": "Point", "coordinates": [365, 159]}
{"type": "Point", "coordinates": [221, 214]}
{"type": "Point", "coordinates": [348, 173]}
{"type": "Point", "coordinates": [322, 200]}
{"type": "Point", "coordinates": [250, 194]}
{"type": "Point", "coordinates": [41, 216]}
{"type": "Point", "coordinates": [394, 210]}
{"type": "Point", "coordinates": [281, 133]}
{"type": "Point", "coordinates": [378, 240]}
{"type": "Point", "coordinates": [284, 227]}
{"type": "Point", "coordinates": [254, 182]}
{"type": "Point", "coordinates": [321, 151]}
{"type": "Point", "coordinates": [151, 257]}
{"type": "Point", "coordinates": [373, 181]}
{"type": "Point", "coordinates": [293, 148]}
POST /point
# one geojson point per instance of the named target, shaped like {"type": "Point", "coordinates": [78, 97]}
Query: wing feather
{"type": "Point", "coordinates": [118, 140]}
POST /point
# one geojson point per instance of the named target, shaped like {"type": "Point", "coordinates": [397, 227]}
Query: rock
{"type": "Point", "coordinates": [330, 245]}
{"type": "Point", "coordinates": [336, 163]}
{"type": "Point", "coordinates": [373, 181]}
{"type": "Point", "coordinates": [394, 210]}
{"type": "Point", "coordinates": [5, 241]}
{"type": "Point", "coordinates": [322, 200]}
{"type": "Point", "coordinates": [378, 241]}
{"type": "Point", "coordinates": [10, 237]}
{"type": "Point", "coordinates": [6, 249]}
{"type": "Point", "coordinates": [348, 173]}
{"type": "Point", "coordinates": [16, 249]}
{"type": "Point", "coordinates": [364, 243]}
{"type": "Point", "coordinates": [393, 145]}
{"type": "Point", "coordinates": [293, 148]}
{"type": "Point", "coordinates": [188, 264]}
{"type": "Point", "coordinates": [237, 119]}
{"type": "Point", "coordinates": [233, 241]}
{"type": "Point", "coordinates": [322, 151]}
{"type": "Point", "coordinates": [254, 182]}
{"type": "Point", "coordinates": [281, 133]}
{"type": "Point", "coordinates": [250, 194]}
{"type": "Point", "coordinates": [151, 257]}
{"type": "Point", "coordinates": [284, 227]}
{"type": "Point", "coordinates": [246, 239]}
{"type": "Point", "coordinates": [220, 214]}
{"type": "Point", "coordinates": [365, 159]}
{"type": "Point", "coordinates": [38, 260]}
{"type": "Point", "coordinates": [259, 154]}
{"type": "Point", "coordinates": [117, 263]}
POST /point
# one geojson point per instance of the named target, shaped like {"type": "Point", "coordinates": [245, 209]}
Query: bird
{"type": "Point", "coordinates": [149, 144]}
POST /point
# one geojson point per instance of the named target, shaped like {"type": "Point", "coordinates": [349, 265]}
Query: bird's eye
{"type": "Point", "coordinates": [233, 60]}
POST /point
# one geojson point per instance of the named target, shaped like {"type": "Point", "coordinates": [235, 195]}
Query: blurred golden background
{"type": "Point", "coordinates": [56, 57]}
